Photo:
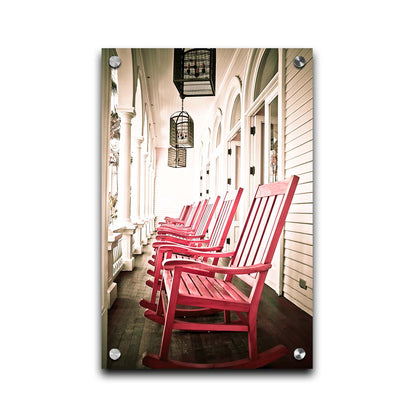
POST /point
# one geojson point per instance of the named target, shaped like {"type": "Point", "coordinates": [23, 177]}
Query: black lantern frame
{"type": "Point", "coordinates": [181, 130]}
{"type": "Point", "coordinates": [176, 157]}
{"type": "Point", "coordinates": [194, 72]}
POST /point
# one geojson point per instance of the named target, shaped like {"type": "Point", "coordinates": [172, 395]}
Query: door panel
{"type": "Point", "coordinates": [256, 152]}
{"type": "Point", "coordinates": [234, 182]}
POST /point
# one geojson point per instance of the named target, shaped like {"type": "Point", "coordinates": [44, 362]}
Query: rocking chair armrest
{"type": "Point", "coordinates": [197, 251]}
{"type": "Point", "coordinates": [186, 233]}
{"type": "Point", "coordinates": [172, 228]}
{"type": "Point", "coordinates": [196, 241]}
{"type": "Point", "coordinates": [207, 251]}
{"type": "Point", "coordinates": [184, 237]}
{"type": "Point", "coordinates": [172, 219]}
{"type": "Point", "coordinates": [169, 241]}
{"type": "Point", "coordinates": [161, 240]}
{"type": "Point", "coordinates": [170, 264]}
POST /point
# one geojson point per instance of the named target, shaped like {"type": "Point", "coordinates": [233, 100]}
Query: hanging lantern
{"type": "Point", "coordinates": [181, 129]}
{"type": "Point", "coordinates": [176, 157]}
{"type": "Point", "coordinates": [194, 72]}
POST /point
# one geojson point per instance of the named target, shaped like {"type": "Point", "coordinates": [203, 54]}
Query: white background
{"type": "Point", "coordinates": [364, 97]}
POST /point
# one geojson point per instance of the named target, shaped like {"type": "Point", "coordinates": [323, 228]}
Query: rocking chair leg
{"type": "Point", "coordinates": [155, 285]}
{"type": "Point", "coordinates": [157, 277]}
{"type": "Point", "coordinates": [167, 330]}
{"type": "Point", "coordinates": [252, 336]}
{"type": "Point", "coordinates": [159, 310]}
{"type": "Point", "coordinates": [227, 317]}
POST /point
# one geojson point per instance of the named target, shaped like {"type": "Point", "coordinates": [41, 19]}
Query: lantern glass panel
{"type": "Point", "coordinates": [176, 158]}
{"type": "Point", "coordinates": [194, 72]}
{"type": "Point", "coordinates": [181, 130]}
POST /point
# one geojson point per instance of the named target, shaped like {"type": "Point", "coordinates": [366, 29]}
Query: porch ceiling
{"type": "Point", "coordinates": [164, 97]}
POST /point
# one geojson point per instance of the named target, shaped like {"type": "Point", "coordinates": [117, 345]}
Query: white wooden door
{"type": "Point", "coordinates": [257, 163]}
{"type": "Point", "coordinates": [233, 183]}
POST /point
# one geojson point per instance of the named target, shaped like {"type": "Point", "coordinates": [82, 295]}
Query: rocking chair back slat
{"type": "Point", "coordinates": [264, 224]}
{"type": "Point", "coordinates": [285, 189]}
{"type": "Point", "coordinates": [207, 216]}
{"type": "Point", "coordinates": [199, 213]}
{"type": "Point", "coordinates": [265, 231]}
{"type": "Point", "coordinates": [225, 218]}
{"type": "Point", "coordinates": [243, 240]}
{"type": "Point", "coordinates": [184, 212]}
{"type": "Point", "coordinates": [191, 214]}
{"type": "Point", "coordinates": [268, 230]}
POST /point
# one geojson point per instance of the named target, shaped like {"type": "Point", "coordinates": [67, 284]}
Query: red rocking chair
{"type": "Point", "coordinates": [214, 243]}
{"type": "Point", "coordinates": [190, 226]}
{"type": "Point", "coordinates": [193, 283]}
{"type": "Point", "coordinates": [180, 219]}
{"type": "Point", "coordinates": [207, 212]}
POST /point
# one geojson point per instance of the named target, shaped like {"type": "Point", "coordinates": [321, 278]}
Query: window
{"type": "Point", "coordinates": [236, 112]}
{"type": "Point", "coordinates": [218, 141]}
{"type": "Point", "coordinates": [273, 154]}
{"type": "Point", "coordinates": [267, 70]}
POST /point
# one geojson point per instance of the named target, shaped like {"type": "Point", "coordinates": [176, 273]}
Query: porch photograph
{"type": "Point", "coordinates": [207, 207]}
{"type": "Point", "coordinates": [207, 199]}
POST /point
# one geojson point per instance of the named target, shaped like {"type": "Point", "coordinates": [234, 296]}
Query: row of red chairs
{"type": "Point", "coordinates": [184, 269]}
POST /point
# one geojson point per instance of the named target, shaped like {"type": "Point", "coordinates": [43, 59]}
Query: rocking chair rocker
{"type": "Point", "coordinates": [193, 283]}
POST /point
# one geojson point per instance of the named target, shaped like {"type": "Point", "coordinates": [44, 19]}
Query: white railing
{"type": "Point", "coordinates": [117, 259]}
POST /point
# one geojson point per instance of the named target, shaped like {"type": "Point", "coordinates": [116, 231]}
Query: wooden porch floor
{"type": "Point", "coordinates": [279, 322]}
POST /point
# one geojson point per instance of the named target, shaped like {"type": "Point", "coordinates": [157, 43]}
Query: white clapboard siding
{"type": "Point", "coordinates": [299, 131]}
{"type": "Point", "coordinates": [296, 276]}
{"type": "Point", "coordinates": [299, 111]}
{"type": "Point", "coordinates": [298, 236]}
{"type": "Point", "coordinates": [299, 300]}
{"type": "Point", "coordinates": [303, 170]}
{"type": "Point", "coordinates": [300, 97]}
{"type": "Point", "coordinates": [299, 140]}
{"type": "Point", "coordinates": [300, 247]}
{"type": "Point", "coordinates": [299, 228]}
{"type": "Point", "coordinates": [300, 150]}
{"type": "Point", "coordinates": [305, 294]}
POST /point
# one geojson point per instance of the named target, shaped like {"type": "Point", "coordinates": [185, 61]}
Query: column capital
{"type": "Point", "coordinates": [126, 112]}
{"type": "Point", "coordinates": [136, 141]}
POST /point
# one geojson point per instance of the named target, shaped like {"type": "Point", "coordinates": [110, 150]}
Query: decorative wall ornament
{"type": "Point", "coordinates": [194, 72]}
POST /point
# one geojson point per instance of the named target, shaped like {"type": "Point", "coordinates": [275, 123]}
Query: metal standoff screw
{"type": "Point", "coordinates": [114, 354]}
{"type": "Point", "coordinates": [114, 62]}
{"type": "Point", "coordinates": [299, 354]}
{"type": "Point", "coordinates": [299, 62]}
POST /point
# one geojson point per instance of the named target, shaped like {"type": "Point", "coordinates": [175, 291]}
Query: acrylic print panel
{"type": "Point", "coordinates": [195, 309]}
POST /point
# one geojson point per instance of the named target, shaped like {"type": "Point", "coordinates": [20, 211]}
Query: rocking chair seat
{"type": "Point", "coordinates": [204, 291]}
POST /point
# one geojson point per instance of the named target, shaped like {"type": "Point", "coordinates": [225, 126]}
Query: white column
{"type": "Point", "coordinates": [136, 218]}
{"type": "Point", "coordinates": [124, 224]}
{"type": "Point", "coordinates": [143, 200]}
{"type": "Point", "coordinates": [153, 196]}
{"type": "Point", "coordinates": [126, 114]}
{"type": "Point", "coordinates": [151, 191]}
{"type": "Point", "coordinates": [147, 211]}
{"type": "Point", "coordinates": [136, 176]}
